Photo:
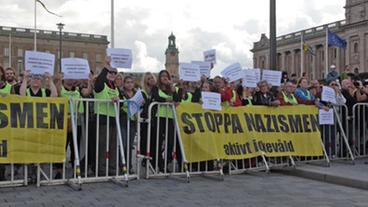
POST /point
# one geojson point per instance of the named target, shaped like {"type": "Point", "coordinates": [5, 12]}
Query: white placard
{"type": "Point", "coordinates": [326, 117]}
{"type": "Point", "coordinates": [211, 101]}
{"type": "Point", "coordinates": [39, 62]}
{"type": "Point", "coordinates": [189, 72]}
{"type": "Point", "coordinates": [210, 56]}
{"type": "Point", "coordinates": [233, 72]}
{"type": "Point", "coordinates": [272, 76]}
{"type": "Point", "coordinates": [135, 103]}
{"type": "Point", "coordinates": [250, 78]}
{"type": "Point", "coordinates": [120, 57]}
{"type": "Point", "coordinates": [328, 94]}
{"type": "Point", "coordinates": [204, 67]}
{"type": "Point", "coordinates": [75, 68]}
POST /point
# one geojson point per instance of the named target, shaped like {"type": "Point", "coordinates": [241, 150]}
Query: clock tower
{"type": "Point", "coordinates": [172, 58]}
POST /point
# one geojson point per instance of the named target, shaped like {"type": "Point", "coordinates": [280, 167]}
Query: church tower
{"type": "Point", "coordinates": [172, 58]}
{"type": "Point", "coordinates": [356, 11]}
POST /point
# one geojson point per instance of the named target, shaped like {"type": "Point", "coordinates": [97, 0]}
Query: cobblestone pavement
{"type": "Point", "coordinates": [237, 190]}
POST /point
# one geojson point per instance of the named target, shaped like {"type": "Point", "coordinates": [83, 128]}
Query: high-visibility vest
{"type": "Point", "coordinates": [291, 100]}
{"type": "Point", "coordinates": [43, 92]}
{"type": "Point", "coordinates": [165, 110]}
{"type": "Point", "coordinates": [188, 99]}
{"type": "Point", "coordinates": [104, 108]}
{"type": "Point", "coordinates": [6, 89]}
{"type": "Point", "coordinates": [73, 95]}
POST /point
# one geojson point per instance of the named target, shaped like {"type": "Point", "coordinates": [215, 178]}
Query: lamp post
{"type": "Point", "coordinates": [60, 27]}
{"type": "Point", "coordinates": [273, 43]}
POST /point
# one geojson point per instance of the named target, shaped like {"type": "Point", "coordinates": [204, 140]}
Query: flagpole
{"type": "Point", "coordinates": [112, 25]}
{"type": "Point", "coordinates": [10, 50]}
{"type": "Point", "coordinates": [35, 26]}
{"type": "Point", "coordinates": [326, 52]}
{"type": "Point", "coordinates": [302, 53]}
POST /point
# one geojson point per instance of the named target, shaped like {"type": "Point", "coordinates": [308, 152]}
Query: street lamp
{"type": "Point", "coordinates": [60, 27]}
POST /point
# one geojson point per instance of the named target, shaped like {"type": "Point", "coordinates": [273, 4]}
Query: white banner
{"type": "Point", "coordinates": [233, 72]}
{"type": "Point", "coordinates": [210, 56]}
{"type": "Point", "coordinates": [75, 68]}
{"type": "Point", "coordinates": [328, 94]}
{"type": "Point", "coordinates": [211, 101]}
{"type": "Point", "coordinates": [189, 72]}
{"type": "Point", "coordinates": [251, 77]}
{"type": "Point", "coordinates": [326, 117]}
{"type": "Point", "coordinates": [120, 58]}
{"type": "Point", "coordinates": [272, 76]}
{"type": "Point", "coordinates": [204, 67]}
{"type": "Point", "coordinates": [39, 62]}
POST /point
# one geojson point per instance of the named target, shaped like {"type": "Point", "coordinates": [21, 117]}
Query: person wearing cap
{"type": "Point", "coordinates": [35, 85]}
{"type": "Point", "coordinates": [333, 74]}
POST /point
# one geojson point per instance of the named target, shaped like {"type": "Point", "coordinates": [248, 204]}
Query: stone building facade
{"type": "Point", "coordinates": [354, 29]}
{"type": "Point", "coordinates": [15, 41]}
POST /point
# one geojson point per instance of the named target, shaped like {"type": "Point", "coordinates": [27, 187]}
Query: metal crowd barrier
{"type": "Point", "coordinates": [359, 139]}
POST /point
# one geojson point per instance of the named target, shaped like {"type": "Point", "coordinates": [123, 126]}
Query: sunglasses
{"type": "Point", "coordinates": [113, 72]}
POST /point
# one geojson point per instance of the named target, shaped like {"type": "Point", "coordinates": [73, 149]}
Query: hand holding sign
{"type": "Point", "coordinates": [328, 94]}
{"type": "Point", "coordinates": [39, 62]}
{"type": "Point", "coordinates": [75, 68]}
{"type": "Point", "coordinates": [120, 58]}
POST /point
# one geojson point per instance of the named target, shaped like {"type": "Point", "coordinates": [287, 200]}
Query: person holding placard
{"type": "Point", "coordinates": [126, 120]}
{"type": "Point", "coordinates": [35, 85]}
{"type": "Point", "coordinates": [303, 95]}
{"type": "Point", "coordinates": [104, 88]}
{"type": "Point", "coordinates": [205, 86]}
{"type": "Point", "coordinates": [228, 95]}
{"type": "Point", "coordinates": [166, 93]}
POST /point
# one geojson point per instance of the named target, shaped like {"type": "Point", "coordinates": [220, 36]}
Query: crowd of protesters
{"type": "Point", "coordinates": [109, 84]}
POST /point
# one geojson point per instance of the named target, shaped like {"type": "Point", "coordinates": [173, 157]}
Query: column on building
{"type": "Point", "coordinates": [314, 62]}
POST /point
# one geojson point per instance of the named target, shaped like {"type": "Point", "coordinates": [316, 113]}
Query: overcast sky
{"type": "Point", "coordinates": [229, 26]}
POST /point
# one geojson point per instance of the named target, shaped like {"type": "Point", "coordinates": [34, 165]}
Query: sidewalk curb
{"type": "Point", "coordinates": [324, 177]}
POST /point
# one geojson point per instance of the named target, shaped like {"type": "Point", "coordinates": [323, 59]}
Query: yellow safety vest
{"type": "Point", "coordinates": [104, 108]}
{"type": "Point", "coordinates": [188, 99]}
{"type": "Point", "coordinates": [6, 89]}
{"type": "Point", "coordinates": [165, 110]}
{"type": "Point", "coordinates": [43, 92]}
{"type": "Point", "coordinates": [73, 95]}
{"type": "Point", "coordinates": [291, 100]}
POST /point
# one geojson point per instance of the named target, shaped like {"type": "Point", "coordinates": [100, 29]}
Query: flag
{"type": "Point", "coordinates": [43, 5]}
{"type": "Point", "coordinates": [307, 48]}
{"type": "Point", "coordinates": [335, 40]}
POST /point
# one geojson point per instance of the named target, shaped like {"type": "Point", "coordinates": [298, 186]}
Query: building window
{"type": "Point", "coordinates": [335, 53]}
{"type": "Point", "coordinates": [85, 55]}
{"type": "Point", "coordinates": [98, 58]}
{"type": "Point", "coordinates": [6, 52]}
{"type": "Point", "coordinates": [356, 47]}
{"type": "Point", "coordinates": [20, 66]}
{"type": "Point", "coordinates": [72, 54]}
{"type": "Point", "coordinates": [20, 52]}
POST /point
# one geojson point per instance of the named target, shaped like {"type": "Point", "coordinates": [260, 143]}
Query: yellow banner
{"type": "Point", "coordinates": [33, 130]}
{"type": "Point", "coordinates": [246, 132]}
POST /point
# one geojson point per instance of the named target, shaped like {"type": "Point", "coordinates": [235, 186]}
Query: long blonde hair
{"type": "Point", "coordinates": [144, 82]}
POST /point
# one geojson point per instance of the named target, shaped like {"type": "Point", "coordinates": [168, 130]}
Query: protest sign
{"type": "Point", "coordinates": [75, 68]}
{"type": "Point", "coordinates": [189, 72]}
{"type": "Point", "coordinates": [328, 94]}
{"type": "Point", "coordinates": [250, 78]}
{"type": "Point", "coordinates": [204, 67]}
{"type": "Point", "coordinates": [273, 77]}
{"type": "Point", "coordinates": [233, 72]}
{"type": "Point", "coordinates": [120, 58]}
{"type": "Point", "coordinates": [211, 101]}
{"type": "Point", "coordinates": [39, 62]}
{"type": "Point", "coordinates": [135, 103]}
{"type": "Point", "coordinates": [326, 117]}
{"type": "Point", "coordinates": [210, 56]}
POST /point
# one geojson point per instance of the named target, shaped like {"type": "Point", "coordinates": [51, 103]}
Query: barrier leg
{"type": "Point", "coordinates": [344, 135]}
{"type": "Point", "coordinates": [121, 147]}
{"type": "Point", "coordinates": [265, 162]}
